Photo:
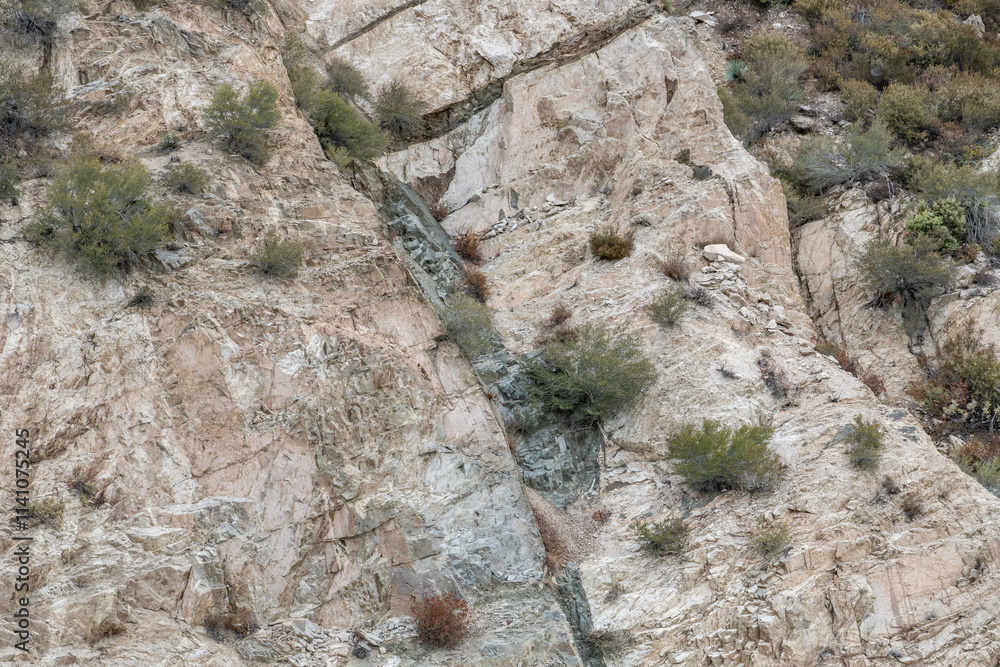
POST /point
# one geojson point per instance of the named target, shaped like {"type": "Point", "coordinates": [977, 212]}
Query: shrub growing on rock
{"type": "Point", "coordinates": [242, 123]}
{"type": "Point", "coordinates": [771, 541]}
{"type": "Point", "coordinates": [345, 135]}
{"type": "Point", "coordinates": [469, 324]}
{"type": "Point", "coordinates": [398, 110]}
{"type": "Point", "coordinates": [306, 81]}
{"type": "Point", "coordinates": [442, 619]}
{"type": "Point", "coordinates": [942, 223]}
{"type": "Point", "coordinates": [169, 141]}
{"type": "Point", "coordinates": [860, 98]}
{"type": "Point", "coordinates": [186, 178]}
{"type": "Point", "coordinates": [768, 92]}
{"type": "Point", "coordinates": [978, 192]}
{"type": "Point", "coordinates": [30, 106]}
{"type": "Point", "coordinates": [905, 110]}
{"type": "Point", "coordinates": [609, 243]}
{"type": "Point", "coordinates": [36, 17]}
{"type": "Point", "coordinates": [102, 216]}
{"type": "Point", "coordinates": [964, 387]}
{"type": "Point", "coordinates": [718, 458]}
{"type": "Point", "coordinates": [864, 443]}
{"type": "Point", "coordinates": [663, 538]}
{"type": "Point", "coordinates": [593, 374]}
{"type": "Point", "coordinates": [669, 306]}
{"type": "Point", "coordinates": [345, 80]}
{"type": "Point", "coordinates": [865, 155]}
{"type": "Point", "coordinates": [278, 258]}
{"type": "Point", "coordinates": [913, 274]}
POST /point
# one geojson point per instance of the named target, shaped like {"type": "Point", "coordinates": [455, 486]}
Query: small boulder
{"type": "Point", "coordinates": [801, 124]}
{"type": "Point", "coordinates": [722, 251]}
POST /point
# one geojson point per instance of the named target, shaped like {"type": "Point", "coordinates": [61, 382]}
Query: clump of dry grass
{"type": "Point", "coordinates": [468, 246]}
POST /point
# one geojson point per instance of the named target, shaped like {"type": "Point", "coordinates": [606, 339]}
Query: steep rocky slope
{"type": "Point", "coordinates": [313, 452]}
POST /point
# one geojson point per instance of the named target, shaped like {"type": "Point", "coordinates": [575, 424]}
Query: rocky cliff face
{"type": "Point", "coordinates": [311, 451]}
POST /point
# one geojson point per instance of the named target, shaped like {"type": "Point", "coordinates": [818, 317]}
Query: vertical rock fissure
{"type": "Point", "coordinates": [573, 600]}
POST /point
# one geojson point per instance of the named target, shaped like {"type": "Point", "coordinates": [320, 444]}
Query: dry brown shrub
{"type": "Point", "coordinates": [479, 284]}
{"type": "Point", "coordinates": [675, 268]}
{"type": "Point", "coordinates": [442, 619]}
{"type": "Point", "coordinates": [467, 245]}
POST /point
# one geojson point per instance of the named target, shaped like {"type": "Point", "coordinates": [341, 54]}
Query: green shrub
{"type": "Point", "coordinates": [30, 106]}
{"type": "Point", "coordinates": [345, 80]}
{"type": "Point", "coordinates": [864, 155]}
{"type": "Point", "coordinates": [718, 458]}
{"type": "Point", "coordinates": [860, 98]}
{"type": "Point", "coordinates": [37, 17]}
{"type": "Point", "coordinates": [864, 443]}
{"type": "Point", "coordinates": [964, 387]}
{"type": "Point", "coordinates": [769, 91]}
{"type": "Point", "coordinates": [905, 110]}
{"type": "Point", "coordinates": [102, 216]}
{"type": "Point", "coordinates": [8, 180]}
{"type": "Point", "coordinates": [735, 70]}
{"type": "Point", "coordinates": [986, 472]}
{"type": "Point", "coordinates": [242, 124]}
{"type": "Point", "coordinates": [733, 115]}
{"type": "Point", "coordinates": [770, 541]}
{"type": "Point", "coordinates": [186, 178]}
{"type": "Point", "coordinates": [278, 258]}
{"type": "Point", "coordinates": [943, 223]}
{"type": "Point", "coordinates": [593, 375]}
{"type": "Point", "coordinates": [668, 306]}
{"type": "Point", "coordinates": [469, 324]}
{"type": "Point", "coordinates": [609, 243]}
{"type": "Point", "coordinates": [306, 81]}
{"type": "Point", "coordinates": [913, 275]}
{"type": "Point", "coordinates": [802, 207]}
{"type": "Point", "coordinates": [398, 110]}
{"type": "Point", "coordinates": [978, 192]}
{"type": "Point", "coordinates": [169, 141]}
{"type": "Point", "coordinates": [662, 538]}
{"type": "Point", "coordinates": [47, 511]}
{"type": "Point", "coordinates": [343, 132]}
{"type": "Point", "coordinates": [667, 5]}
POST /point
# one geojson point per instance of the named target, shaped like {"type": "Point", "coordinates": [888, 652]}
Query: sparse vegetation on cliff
{"type": "Point", "coordinates": [36, 17]}
{"type": "Point", "coordinates": [668, 306]}
{"type": "Point", "coordinates": [186, 178]}
{"type": "Point", "coordinates": [609, 243]}
{"type": "Point", "coordinates": [442, 619]}
{"type": "Point", "coordinates": [103, 216]}
{"type": "Point", "coordinates": [469, 324]}
{"type": "Point", "coordinates": [717, 458]}
{"type": "Point", "coordinates": [30, 106]}
{"type": "Point", "coordinates": [864, 443]}
{"type": "Point", "coordinates": [399, 110]}
{"type": "Point", "coordinates": [662, 538]}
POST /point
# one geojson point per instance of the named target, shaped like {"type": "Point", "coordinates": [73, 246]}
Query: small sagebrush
{"type": "Point", "coordinates": [188, 178]}
{"type": "Point", "coordinates": [277, 257]}
{"type": "Point", "coordinates": [609, 243]}
{"type": "Point", "coordinates": [717, 458]}
{"type": "Point", "coordinates": [469, 324]}
{"type": "Point", "coordinates": [442, 619]}
{"type": "Point", "coordinates": [771, 541]}
{"type": "Point", "coordinates": [169, 141]}
{"type": "Point", "coordinates": [399, 110]}
{"type": "Point", "coordinates": [668, 306]}
{"type": "Point", "coordinates": [662, 538]}
{"type": "Point", "coordinates": [242, 122]}
{"type": "Point", "coordinates": [864, 443]}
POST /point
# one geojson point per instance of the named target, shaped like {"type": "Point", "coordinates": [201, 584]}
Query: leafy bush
{"type": "Point", "coordinates": [102, 216]}
{"type": "Point", "coordinates": [169, 141]}
{"type": "Point", "coordinates": [442, 619]}
{"type": "Point", "coordinates": [768, 92]}
{"type": "Point", "coordinates": [398, 110]}
{"type": "Point", "coordinates": [668, 307]}
{"type": "Point", "coordinates": [278, 258]}
{"type": "Point", "coordinates": [186, 178]}
{"type": "Point", "coordinates": [37, 17]}
{"type": "Point", "coordinates": [978, 192]}
{"type": "Point", "coordinates": [242, 124]}
{"type": "Point", "coordinates": [30, 106]}
{"type": "Point", "coordinates": [609, 243]}
{"type": "Point", "coordinates": [718, 458]}
{"type": "Point", "coordinates": [864, 443]}
{"type": "Point", "coordinates": [905, 110]}
{"type": "Point", "coordinates": [943, 223]}
{"type": "Point", "coordinates": [801, 204]}
{"type": "Point", "coordinates": [913, 274]}
{"type": "Point", "coordinates": [343, 132]}
{"type": "Point", "coordinates": [964, 387]}
{"type": "Point", "coordinates": [860, 98]}
{"type": "Point", "coordinates": [662, 538]}
{"type": "Point", "coordinates": [593, 375]}
{"type": "Point", "coordinates": [345, 80]}
{"type": "Point", "coordinates": [772, 540]}
{"type": "Point", "coordinates": [864, 155]}
{"type": "Point", "coordinates": [469, 324]}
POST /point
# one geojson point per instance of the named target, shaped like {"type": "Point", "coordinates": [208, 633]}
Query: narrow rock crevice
{"type": "Point", "coordinates": [368, 27]}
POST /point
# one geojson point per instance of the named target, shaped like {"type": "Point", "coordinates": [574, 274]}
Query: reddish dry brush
{"type": "Point", "coordinates": [675, 268]}
{"type": "Point", "coordinates": [873, 382]}
{"type": "Point", "coordinates": [468, 246]}
{"type": "Point", "coordinates": [442, 619]}
{"type": "Point", "coordinates": [83, 482]}
{"type": "Point", "coordinates": [479, 284]}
